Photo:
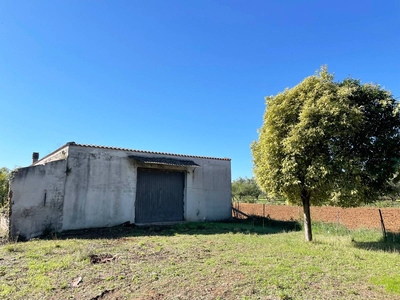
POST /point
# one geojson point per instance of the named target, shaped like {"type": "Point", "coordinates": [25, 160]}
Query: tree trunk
{"type": "Point", "coordinates": [305, 197]}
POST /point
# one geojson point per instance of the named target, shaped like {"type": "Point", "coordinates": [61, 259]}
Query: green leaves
{"type": "Point", "coordinates": [338, 141]}
{"type": "Point", "coordinates": [4, 175]}
{"type": "Point", "coordinates": [245, 189]}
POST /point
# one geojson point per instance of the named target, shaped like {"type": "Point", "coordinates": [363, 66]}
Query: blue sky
{"type": "Point", "coordinates": [180, 76]}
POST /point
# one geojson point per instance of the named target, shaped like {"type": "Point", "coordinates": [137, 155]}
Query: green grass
{"type": "Point", "coordinates": [385, 203]}
{"type": "Point", "coordinates": [238, 260]}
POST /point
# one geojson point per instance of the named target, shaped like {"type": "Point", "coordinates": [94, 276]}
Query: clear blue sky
{"type": "Point", "coordinates": [180, 76]}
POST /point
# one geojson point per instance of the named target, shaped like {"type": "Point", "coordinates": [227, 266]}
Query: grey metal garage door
{"type": "Point", "coordinates": [159, 196]}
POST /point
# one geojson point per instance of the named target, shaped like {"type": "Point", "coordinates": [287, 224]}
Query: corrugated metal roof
{"type": "Point", "coordinates": [126, 149]}
{"type": "Point", "coordinates": [164, 161]}
{"type": "Point", "coordinates": [142, 151]}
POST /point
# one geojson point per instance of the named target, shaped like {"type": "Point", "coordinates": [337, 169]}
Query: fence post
{"type": "Point", "coordinates": [263, 214]}
{"type": "Point", "coordinates": [382, 225]}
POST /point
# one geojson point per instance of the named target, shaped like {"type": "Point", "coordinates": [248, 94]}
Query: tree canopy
{"type": "Point", "coordinates": [326, 142]}
{"type": "Point", "coordinates": [4, 176]}
{"type": "Point", "coordinates": [246, 189]}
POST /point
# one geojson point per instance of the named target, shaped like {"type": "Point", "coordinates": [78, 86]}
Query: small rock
{"type": "Point", "coordinates": [76, 281]}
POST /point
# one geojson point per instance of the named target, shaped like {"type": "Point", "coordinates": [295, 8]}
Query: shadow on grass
{"type": "Point", "coordinates": [389, 244]}
{"type": "Point", "coordinates": [253, 225]}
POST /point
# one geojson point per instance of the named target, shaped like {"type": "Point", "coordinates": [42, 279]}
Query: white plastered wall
{"type": "Point", "coordinates": [37, 199]}
{"type": "Point", "coordinates": [209, 190]}
{"type": "Point", "coordinates": [100, 188]}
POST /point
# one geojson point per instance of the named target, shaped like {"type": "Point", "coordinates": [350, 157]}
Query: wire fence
{"type": "Point", "coordinates": [352, 218]}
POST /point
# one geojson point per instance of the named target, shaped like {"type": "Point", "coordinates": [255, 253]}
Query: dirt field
{"type": "Point", "coordinates": [352, 218]}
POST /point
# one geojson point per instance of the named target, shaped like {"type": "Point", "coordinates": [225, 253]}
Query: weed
{"type": "Point", "coordinates": [48, 229]}
{"type": "Point", "coordinates": [84, 253]}
{"type": "Point", "coordinates": [13, 247]}
{"type": "Point", "coordinates": [283, 296]}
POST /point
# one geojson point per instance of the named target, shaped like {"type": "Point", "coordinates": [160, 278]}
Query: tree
{"type": "Point", "coordinates": [326, 142]}
{"type": "Point", "coordinates": [394, 193]}
{"type": "Point", "coordinates": [246, 188]}
{"type": "Point", "coordinates": [4, 176]}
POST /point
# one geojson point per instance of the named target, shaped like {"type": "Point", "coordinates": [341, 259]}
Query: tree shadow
{"type": "Point", "coordinates": [252, 225]}
{"type": "Point", "coordinates": [389, 244]}
{"type": "Point", "coordinates": [275, 225]}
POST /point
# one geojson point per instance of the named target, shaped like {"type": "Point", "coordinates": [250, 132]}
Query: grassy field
{"type": "Point", "coordinates": [237, 260]}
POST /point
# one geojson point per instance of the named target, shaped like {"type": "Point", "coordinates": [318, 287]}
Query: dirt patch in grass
{"type": "Point", "coordinates": [108, 294]}
{"type": "Point", "coordinates": [102, 258]}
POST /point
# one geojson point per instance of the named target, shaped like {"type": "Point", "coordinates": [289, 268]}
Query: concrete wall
{"type": "Point", "coordinates": [209, 190]}
{"type": "Point", "coordinates": [100, 188]}
{"type": "Point", "coordinates": [37, 199]}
